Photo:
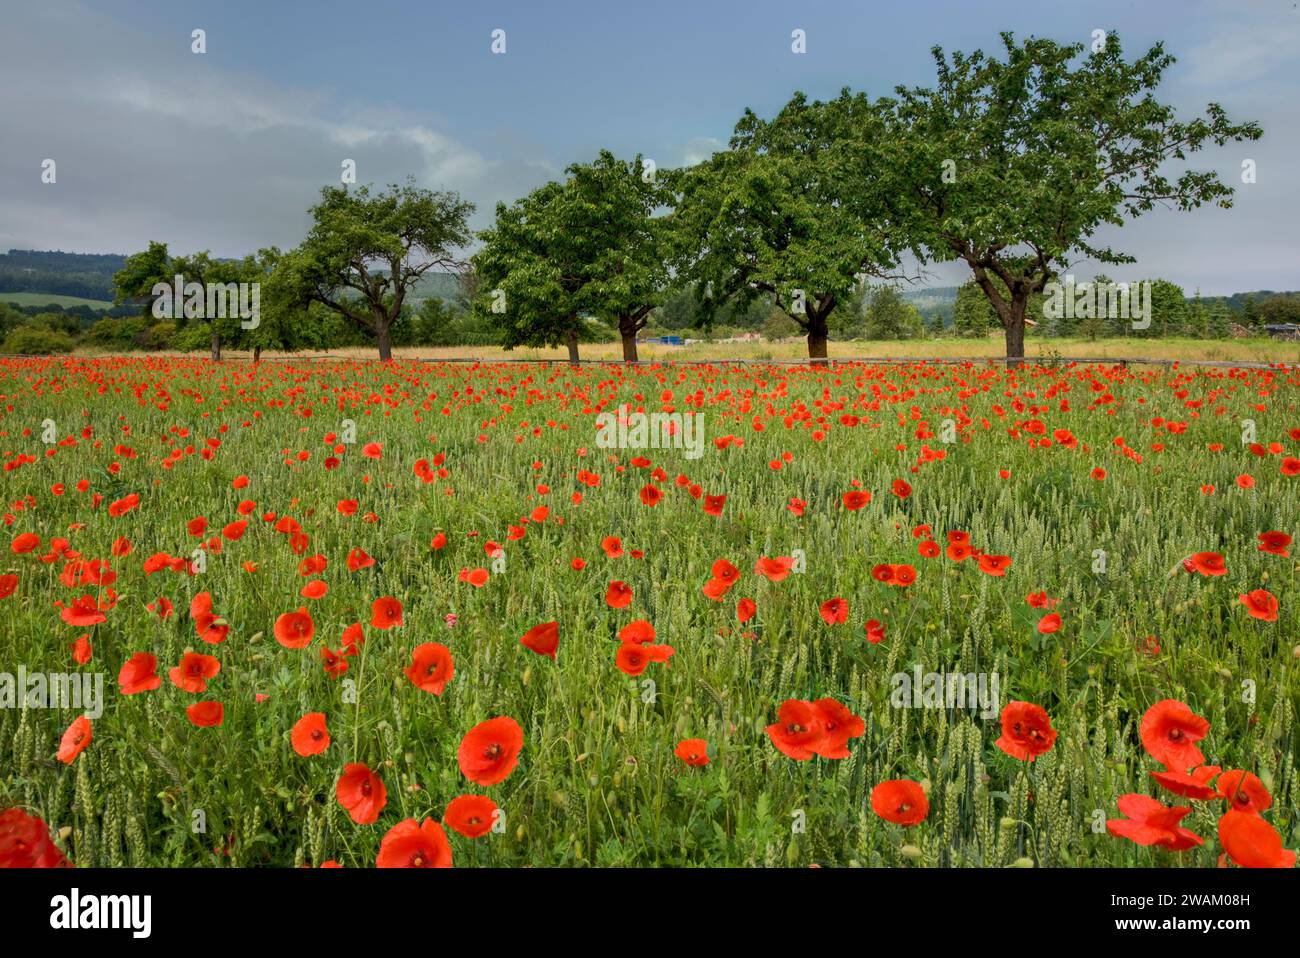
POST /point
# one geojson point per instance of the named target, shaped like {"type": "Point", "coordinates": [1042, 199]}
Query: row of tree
{"type": "Point", "coordinates": [1010, 164]}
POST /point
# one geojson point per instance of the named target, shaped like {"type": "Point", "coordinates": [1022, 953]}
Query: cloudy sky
{"type": "Point", "coordinates": [226, 150]}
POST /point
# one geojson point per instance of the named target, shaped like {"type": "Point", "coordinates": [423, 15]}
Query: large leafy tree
{"type": "Point", "coordinates": [591, 245]}
{"type": "Point", "coordinates": [142, 271]}
{"type": "Point", "coordinates": [791, 211]}
{"type": "Point", "coordinates": [1013, 165]}
{"type": "Point", "coordinates": [616, 204]}
{"type": "Point", "coordinates": [366, 251]}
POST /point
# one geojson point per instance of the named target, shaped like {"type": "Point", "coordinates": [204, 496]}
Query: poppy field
{"type": "Point", "coordinates": [351, 613]}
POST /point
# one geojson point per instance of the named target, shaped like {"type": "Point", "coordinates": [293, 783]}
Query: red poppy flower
{"type": "Point", "coordinates": [725, 572]}
{"type": "Point", "coordinates": [1260, 604]}
{"type": "Point", "coordinates": [1205, 563]}
{"type": "Point", "coordinates": [75, 740]}
{"type": "Point", "coordinates": [431, 667]}
{"type": "Point", "coordinates": [637, 632]}
{"type": "Point", "coordinates": [475, 577]}
{"type": "Point", "coordinates": [409, 844]}
{"type": "Point", "coordinates": [900, 801]}
{"type": "Point", "coordinates": [1274, 543]}
{"type": "Point", "coordinates": [543, 639]}
{"type": "Point", "coordinates": [309, 735]}
{"type": "Point", "coordinates": [612, 546]}
{"type": "Point", "coordinates": [25, 542]}
{"type": "Point", "coordinates": [651, 494]}
{"type": "Point", "coordinates": [81, 650]}
{"type": "Point", "coordinates": [490, 750]}
{"type": "Point", "coordinates": [1148, 822]}
{"type": "Point", "coordinates": [1252, 842]}
{"type": "Point", "coordinates": [385, 613]}
{"type": "Point", "coordinates": [194, 671]}
{"type": "Point", "coordinates": [1194, 784]}
{"type": "Point", "coordinates": [745, 610]}
{"type": "Point", "coordinates": [618, 595]}
{"type": "Point", "coordinates": [1026, 731]}
{"type": "Point", "coordinates": [1169, 731]}
{"type": "Point", "coordinates": [25, 842]}
{"type": "Point", "coordinates": [83, 612]}
{"type": "Point", "coordinates": [294, 630]}
{"type": "Point", "coordinates": [634, 657]}
{"type": "Point", "coordinates": [362, 793]}
{"type": "Point", "coordinates": [206, 714]}
{"type": "Point", "coordinates": [713, 505]}
{"type": "Point", "coordinates": [1244, 792]}
{"type": "Point", "coordinates": [855, 499]}
{"type": "Point", "coordinates": [994, 565]}
{"type": "Point", "coordinates": [358, 559]}
{"type": "Point", "coordinates": [139, 674]}
{"type": "Point", "coordinates": [470, 815]}
{"type": "Point", "coordinates": [834, 611]}
{"type": "Point", "coordinates": [901, 489]}
{"type": "Point", "coordinates": [797, 729]}
{"type": "Point", "coordinates": [774, 570]}
{"type": "Point", "coordinates": [693, 751]}
{"type": "Point", "coordinates": [875, 631]}
{"type": "Point", "coordinates": [838, 725]}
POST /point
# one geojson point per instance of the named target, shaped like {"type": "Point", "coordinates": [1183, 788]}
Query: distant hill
{"type": "Point", "coordinates": [83, 275]}
{"type": "Point", "coordinates": [43, 277]}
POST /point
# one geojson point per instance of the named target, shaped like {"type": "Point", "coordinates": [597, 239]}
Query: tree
{"type": "Point", "coordinates": [1012, 165]}
{"type": "Point", "coordinates": [972, 315]}
{"type": "Point", "coordinates": [364, 253]}
{"type": "Point", "coordinates": [145, 272]}
{"type": "Point", "coordinates": [614, 205]}
{"type": "Point", "coordinates": [890, 317]}
{"type": "Point", "coordinates": [589, 246]}
{"type": "Point", "coordinates": [792, 212]}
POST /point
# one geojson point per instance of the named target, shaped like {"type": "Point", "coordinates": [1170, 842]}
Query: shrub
{"type": "Point", "coordinates": [35, 341]}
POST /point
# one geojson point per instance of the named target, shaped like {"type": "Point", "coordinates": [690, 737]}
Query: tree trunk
{"type": "Point", "coordinates": [572, 337]}
{"type": "Point", "coordinates": [257, 354]}
{"type": "Point", "coordinates": [216, 347]}
{"type": "Point", "coordinates": [1014, 322]}
{"type": "Point", "coordinates": [817, 333]}
{"type": "Point", "coordinates": [627, 328]}
{"type": "Point", "coordinates": [384, 340]}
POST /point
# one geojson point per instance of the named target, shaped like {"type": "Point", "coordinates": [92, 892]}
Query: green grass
{"type": "Point", "coordinates": [53, 299]}
{"type": "Point", "coordinates": [597, 782]}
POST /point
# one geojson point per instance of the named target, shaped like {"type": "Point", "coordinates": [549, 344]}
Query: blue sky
{"type": "Point", "coordinates": [227, 150]}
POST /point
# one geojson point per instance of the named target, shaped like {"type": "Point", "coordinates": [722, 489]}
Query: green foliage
{"type": "Point", "coordinates": [890, 317]}
{"type": "Point", "coordinates": [790, 211]}
{"type": "Point", "coordinates": [37, 341]}
{"type": "Point", "coordinates": [365, 253]}
{"type": "Point", "coordinates": [589, 246]}
{"type": "Point", "coordinates": [1012, 165]}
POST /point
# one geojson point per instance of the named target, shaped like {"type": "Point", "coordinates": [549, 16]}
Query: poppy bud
{"type": "Point", "coordinates": [910, 852]}
{"type": "Point", "coordinates": [528, 674]}
{"type": "Point", "coordinates": [1223, 673]}
{"type": "Point", "coordinates": [1008, 824]}
{"type": "Point", "coordinates": [1023, 863]}
{"type": "Point", "coordinates": [519, 834]}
